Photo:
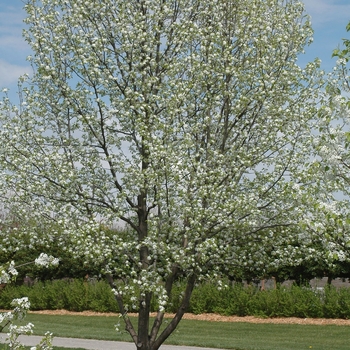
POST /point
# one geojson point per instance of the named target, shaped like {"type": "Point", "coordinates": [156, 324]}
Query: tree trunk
{"type": "Point", "coordinates": [177, 318]}
{"type": "Point", "coordinates": [329, 280]}
{"type": "Point", "coordinates": [143, 340]}
{"type": "Point", "coordinates": [145, 300]}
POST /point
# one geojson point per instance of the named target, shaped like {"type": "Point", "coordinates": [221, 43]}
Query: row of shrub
{"type": "Point", "coordinates": [295, 301]}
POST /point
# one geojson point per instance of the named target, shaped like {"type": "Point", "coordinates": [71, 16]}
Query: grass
{"type": "Point", "coordinates": [238, 336]}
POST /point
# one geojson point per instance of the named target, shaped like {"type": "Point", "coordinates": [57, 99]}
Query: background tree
{"type": "Point", "coordinates": [188, 121]}
{"type": "Point", "coordinates": [332, 160]}
{"type": "Point", "coordinates": [23, 240]}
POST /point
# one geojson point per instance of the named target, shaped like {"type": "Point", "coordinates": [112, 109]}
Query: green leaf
{"type": "Point", "coordinates": [335, 53]}
{"type": "Point", "coordinates": [348, 27]}
{"type": "Point", "coordinates": [347, 135]}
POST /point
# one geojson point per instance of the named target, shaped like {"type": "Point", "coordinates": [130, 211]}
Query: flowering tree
{"type": "Point", "coordinates": [333, 158]}
{"type": "Point", "coordinates": [186, 121]}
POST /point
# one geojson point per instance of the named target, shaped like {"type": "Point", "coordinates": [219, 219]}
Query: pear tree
{"type": "Point", "coordinates": [186, 122]}
{"type": "Point", "coordinates": [332, 159]}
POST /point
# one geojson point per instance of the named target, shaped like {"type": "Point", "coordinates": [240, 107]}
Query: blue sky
{"type": "Point", "coordinates": [329, 19]}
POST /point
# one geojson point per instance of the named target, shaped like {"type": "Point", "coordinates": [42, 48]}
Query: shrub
{"type": "Point", "coordinates": [204, 299]}
{"type": "Point", "coordinates": [331, 307]}
{"type": "Point", "coordinates": [100, 297]}
{"type": "Point", "coordinates": [79, 295]}
{"type": "Point", "coordinates": [344, 303]}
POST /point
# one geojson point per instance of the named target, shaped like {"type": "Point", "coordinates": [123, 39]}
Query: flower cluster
{"type": "Point", "coordinates": [8, 273]}
{"type": "Point", "coordinates": [21, 306]}
{"type": "Point", "coordinates": [45, 260]}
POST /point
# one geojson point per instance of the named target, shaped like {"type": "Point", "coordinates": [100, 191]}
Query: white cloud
{"type": "Point", "coordinates": [14, 49]}
{"type": "Point", "coordinates": [11, 20]}
{"type": "Point", "coordinates": [325, 11]}
{"type": "Point", "coordinates": [9, 73]}
{"type": "Point", "coordinates": [14, 44]}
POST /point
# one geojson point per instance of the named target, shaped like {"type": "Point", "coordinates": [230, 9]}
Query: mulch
{"type": "Point", "coordinates": [214, 318]}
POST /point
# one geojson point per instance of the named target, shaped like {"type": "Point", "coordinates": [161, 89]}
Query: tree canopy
{"type": "Point", "coordinates": [332, 158]}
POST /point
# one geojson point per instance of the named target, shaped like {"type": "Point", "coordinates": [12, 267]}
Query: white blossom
{"type": "Point", "coordinates": [46, 261]}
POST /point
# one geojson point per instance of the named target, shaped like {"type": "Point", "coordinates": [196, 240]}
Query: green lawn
{"type": "Point", "coordinates": [239, 336]}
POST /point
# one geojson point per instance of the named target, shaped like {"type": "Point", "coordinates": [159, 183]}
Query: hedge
{"type": "Point", "coordinates": [294, 301]}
